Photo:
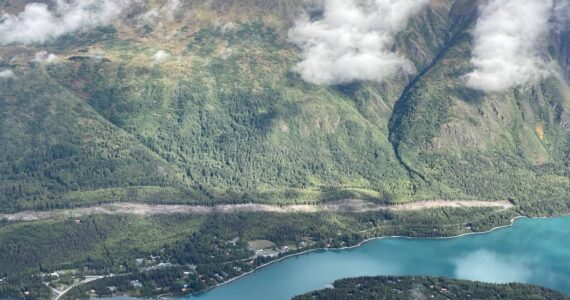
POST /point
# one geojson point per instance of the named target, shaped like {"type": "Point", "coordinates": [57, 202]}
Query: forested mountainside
{"type": "Point", "coordinates": [391, 287]}
{"type": "Point", "coordinates": [209, 102]}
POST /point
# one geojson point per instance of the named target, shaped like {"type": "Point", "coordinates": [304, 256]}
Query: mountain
{"type": "Point", "coordinates": [405, 103]}
{"type": "Point", "coordinates": [203, 102]}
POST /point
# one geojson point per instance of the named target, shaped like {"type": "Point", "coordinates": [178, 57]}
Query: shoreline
{"type": "Point", "coordinates": [512, 222]}
{"type": "Point", "coordinates": [260, 267]}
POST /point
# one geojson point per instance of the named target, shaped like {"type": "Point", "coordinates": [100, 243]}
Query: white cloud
{"type": "Point", "coordinates": [353, 41]}
{"type": "Point", "coordinates": [150, 17]}
{"type": "Point", "coordinates": [7, 74]}
{"type": "Point", "coordinates": [168, 10]}
{"type": "Point", "coordinates": [561, 15]}
{"type": "Point", "coordinates": [160, 56]}
{"type": "Point", "coordinates": [38, 24]}
{"type": "Point", "coordinates": [508, 37]}
{"type": "Point", "coordinates": [171, 8]}
{"type": "Point", "coordinates": [44, 57]}
{"type": "Point", "coordinates": [483, 265]}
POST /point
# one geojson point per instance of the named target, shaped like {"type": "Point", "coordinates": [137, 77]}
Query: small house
{"type": "Point", "coordinates": [136, 284]}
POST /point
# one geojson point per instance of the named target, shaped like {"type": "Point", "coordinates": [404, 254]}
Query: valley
{"type": "Point", "coordinates": [159, 140]}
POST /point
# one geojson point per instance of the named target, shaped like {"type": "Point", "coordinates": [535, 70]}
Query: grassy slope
{"type": "Point", "coordinates": [427, 287]}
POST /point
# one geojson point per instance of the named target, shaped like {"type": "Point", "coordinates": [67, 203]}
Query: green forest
{"type": "Point", "coordinates": [245, 128]}
{"type": "Point", "coordinates": [226, 118]}
{"type": "Point", "coordinates": [391, 287]}
{"type": "Point", "coordinates": [101, 245]}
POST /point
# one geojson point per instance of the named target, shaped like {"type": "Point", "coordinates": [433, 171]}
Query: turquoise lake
{"type": "Point", "coordinates": [532, 250]}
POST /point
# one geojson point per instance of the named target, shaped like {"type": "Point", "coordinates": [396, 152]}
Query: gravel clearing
{"type": "Point", "coordinates": [349, 205]}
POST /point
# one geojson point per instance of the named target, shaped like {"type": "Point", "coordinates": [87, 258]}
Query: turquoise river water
{"type": "Point", "coordinates": [532, 250]}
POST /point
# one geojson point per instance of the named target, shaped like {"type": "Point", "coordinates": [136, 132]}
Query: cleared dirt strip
{"type": "Point", "coordinates": [349, 205]}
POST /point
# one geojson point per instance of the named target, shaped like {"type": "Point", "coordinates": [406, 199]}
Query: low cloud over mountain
{"type": "Point", "coordinates": [507, 41]}
{"type": "Point", "coordinates": [353, 40]}
{"type": "Point", "coordinates": [39, 23]}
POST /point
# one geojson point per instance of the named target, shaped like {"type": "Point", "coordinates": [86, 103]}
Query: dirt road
{"type": "Point", "coordinates": [57, 294]}
{"type": "Point", "coordinates": [350, 205]}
